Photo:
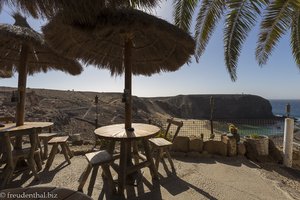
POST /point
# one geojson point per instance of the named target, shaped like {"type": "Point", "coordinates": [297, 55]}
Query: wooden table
{"type": "Point", "coordinates": [18, 131]}
{"type": "Point", "coordinates": [42, 193]}
{"type": "Point", "coordinates": [11, 129]}
{"type": "Point", "coordinates": [141, 132]}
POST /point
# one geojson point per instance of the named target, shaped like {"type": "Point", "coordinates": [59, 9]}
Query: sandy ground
{"type": "Point", "coordinates": [197, 178]}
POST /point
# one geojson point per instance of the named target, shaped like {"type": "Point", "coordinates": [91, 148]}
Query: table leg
{"type": "Point", "coordinates": [123, 166]}
{"type": "Point", "coordinates": [45, 143]}
{"type": "Point", "coordinates": [111, 147]}
{"type": "Point", "coordinates": [148, 153]}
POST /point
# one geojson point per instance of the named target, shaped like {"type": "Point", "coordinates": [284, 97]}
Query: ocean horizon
{"type": "Point", "coordinates": [279, 107]}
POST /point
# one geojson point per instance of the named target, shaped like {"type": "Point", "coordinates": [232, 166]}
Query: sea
{"type": "Point", "coordinates": [279, 107]}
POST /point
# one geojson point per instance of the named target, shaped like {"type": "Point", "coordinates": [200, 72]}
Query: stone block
{"type": "Point", "coordinates": [193, 154]}
{"type": "Point", "coordinates": [215, 147]}
{"type": "Point", "coordinates": [241, 149]}
{"type": "Point", "coordinates": [181, 144]}
{"type": "Point", "coordinates": [196, 144]}
{"type": "Point", "coordinates": [231, 146]}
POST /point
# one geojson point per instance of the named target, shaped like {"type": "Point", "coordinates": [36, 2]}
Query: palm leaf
{"type": "Point", "coordinates": [276, 21]}
{"type": "Point", "coordinates": [183, 13]}
{"type": "Point", "coordinates": [210, 13]}
{"type": "Point", "coordinates": [295, 36]}
{"type": "Point", "coordinates": [241, 17]}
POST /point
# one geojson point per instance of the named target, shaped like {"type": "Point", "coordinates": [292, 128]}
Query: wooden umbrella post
{"type": "Point", "coordinates": [20, 113]}
{"type": "Point", "coordinates": [22, 85]}
{"type": "Point", "coordinates": [128, 80]}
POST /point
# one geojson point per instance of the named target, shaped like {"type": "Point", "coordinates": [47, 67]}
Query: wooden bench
{"type": "Point", "coordinates": [95, 160]}
{"type": "Point", "coordinates": [62, 141]}
{"type": "Point", "coordinates": [45, 138]}
{"type": "Point", "coordinates": [161, 145]}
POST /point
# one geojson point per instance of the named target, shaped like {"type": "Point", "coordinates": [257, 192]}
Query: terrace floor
{"type": "Point", "coordinates": [197, 178]}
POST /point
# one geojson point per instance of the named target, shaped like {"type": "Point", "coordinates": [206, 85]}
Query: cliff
{"type": "Point", "coordinates": [225, 106]}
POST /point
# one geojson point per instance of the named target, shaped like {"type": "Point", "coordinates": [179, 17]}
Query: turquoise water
{"type": "Point", "coordinates": [276, 127]}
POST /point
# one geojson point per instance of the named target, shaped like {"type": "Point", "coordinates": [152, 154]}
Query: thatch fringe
{"type": "Point", "coordinates": [157, 45]}
{"type": "Point", "coordinates": [73, 8]}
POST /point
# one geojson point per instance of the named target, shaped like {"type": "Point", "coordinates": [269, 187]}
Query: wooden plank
{"type": "Point", "coordinates": [135, 168]}
{"type": "Point", "coordinates": [58, 139]}
{"type": "Point", "coordinates": [177, 123]}
{"type": "Point", "coordinates": [13, 191]}
{"type": "Point", "coordinates": [78, 196]}
{"type": "Point", "coordinates": [160, 142]}
{"type": "Point", "coordinates": [11, 127]}
{"type": "Point", "coordinates": [47, 135]}
{"type": "Point", "coordinates": [61, 193]}
{"type": "Point", "coordinates": [99, 157]}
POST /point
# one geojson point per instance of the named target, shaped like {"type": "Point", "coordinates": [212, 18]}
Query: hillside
{"type": "Point", "coordinates": [75, 111]}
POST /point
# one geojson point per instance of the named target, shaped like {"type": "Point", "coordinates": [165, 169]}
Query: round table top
{"type": "Point", "coordinates": [118, 132]}
{"type": "Point", "coordinates": [27, 125]}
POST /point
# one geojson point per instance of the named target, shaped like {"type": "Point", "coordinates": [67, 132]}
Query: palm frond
{"type": "Point", "coordinates": [210, 13]}
{"type": "Point", "coordinates": [276, 21]}
{"type": "Point", "coordinates": [295, 36]}
{"type": "Point", "coordinates": [241, 17]}
{"type": "Point", "coordinates": [183, 13]}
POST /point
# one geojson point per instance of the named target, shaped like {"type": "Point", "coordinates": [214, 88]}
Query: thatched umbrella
{"type": "Point", "coordinates": [46, 8]}
{"type": "Point", "coordinates": [123, 41]}
{"type": "Point", "coordinates": [24, 50]}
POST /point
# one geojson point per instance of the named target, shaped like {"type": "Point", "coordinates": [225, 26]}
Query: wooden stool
{"type": "Point", "coordinates": [45, 137]}
{"type": "Point", "coordinates": [161, 146]}
{"type": "Point", "coordinates": [62, 141]}
{"type": "Point", "coordinates": [96, 159]}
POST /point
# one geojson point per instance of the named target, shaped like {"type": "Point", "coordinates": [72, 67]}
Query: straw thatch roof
{"type": "Point", "coordinates": [40, 57]}
{"type": "Point", "coordinates": [5, 74]}
{"type": "Point", "coordinates": [48, 8]}
{"type": "Point", "coordinates": [157, 45]}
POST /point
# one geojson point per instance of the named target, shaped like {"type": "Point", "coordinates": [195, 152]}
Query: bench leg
{"type": "Point", "coordinates": [111, 184]}
{"type": "Point", "coordinates": [64, 150]}
{"type": "Point", "coordinates": [84, 177]}
{"type": "Point", "coordinates": [45, 143]}
{"type": "Point", "coordinates": [158, 157]}
{"type": "Point", "coordinates": [51, 156]}
{"type": "Point", "coordinates": [38, 161]}
{"type": "Point", "coordinates": [152, 167]}
{"type": "Point", "coordinates": [92, 180]}
{"type": "Point", "coordinates": [170, 160]}
{"type": "Point", "coordinates": [31, 165]}
{"type": "Point", "coordinates": [69, 151]}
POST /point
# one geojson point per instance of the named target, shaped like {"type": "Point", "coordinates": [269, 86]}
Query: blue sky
{"type": "Point", "coordinates": [279, 79]}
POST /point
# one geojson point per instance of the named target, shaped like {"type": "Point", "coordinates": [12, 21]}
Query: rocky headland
{"type": "Point", "coordinates": [75, 111]}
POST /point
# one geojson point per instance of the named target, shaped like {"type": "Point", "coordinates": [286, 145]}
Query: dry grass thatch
{"type": "Point", "coordinates": [48, 8]}
{"type": "Point", "coordinates": [157, 45]}
{"type": "Point", "coordinates": [5, 74]}
{"type": "Point", "coordinates": [40, 57]}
